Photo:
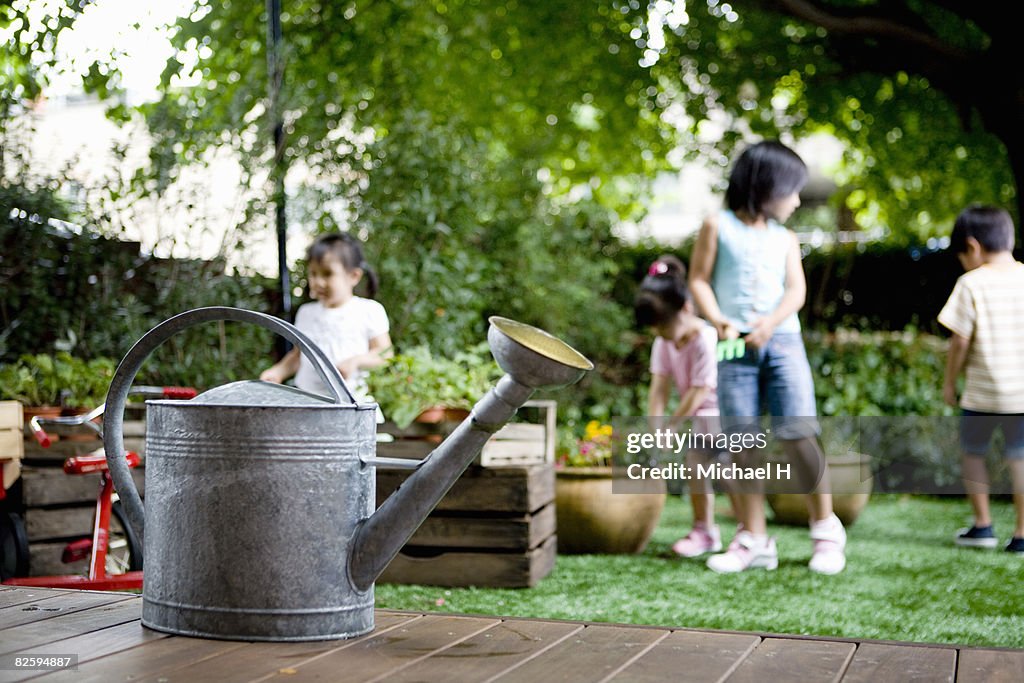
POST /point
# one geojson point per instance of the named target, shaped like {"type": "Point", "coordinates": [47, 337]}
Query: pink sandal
{"type": "Point", "coordinates": [699, 541]}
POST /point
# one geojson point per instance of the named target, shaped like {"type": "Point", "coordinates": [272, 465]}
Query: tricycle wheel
{"type": "Point", "coordinates": [124, 552]}
{"type": "Point", "coordinates": [13, 546]}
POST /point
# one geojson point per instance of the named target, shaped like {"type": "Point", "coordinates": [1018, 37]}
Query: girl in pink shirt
{"type": "Point", "coordinates": [683, 355]}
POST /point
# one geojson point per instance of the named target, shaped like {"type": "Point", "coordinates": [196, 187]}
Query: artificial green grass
{"type": "Point", "coordinates": [905, 580]}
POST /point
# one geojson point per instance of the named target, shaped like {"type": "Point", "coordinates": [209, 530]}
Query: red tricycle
{"type": "Point", "coordinates": [114, 551]}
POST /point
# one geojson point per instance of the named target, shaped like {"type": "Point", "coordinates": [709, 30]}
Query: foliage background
{"type": "Point", "coordinates": [487, 153]}
{"type": "Point", "coordinates": [67, 289]}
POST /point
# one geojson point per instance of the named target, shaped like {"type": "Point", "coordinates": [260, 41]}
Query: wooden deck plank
{"type": "Point", "coordinates": [16, 595]}
{"type": "Point", "coordinates": [104, 630]}
{"type": "Point", "coordinates": [784, 659]}
{"type": "Point", "coordinates": [254, 660]}
{"type": "Point", "coordinates": [95, 644]}
{"type": "Point", "coordinates": [990, 666]}
{"type": "Point", "coordinates": [877, 663]}
{"type": "Point", "coordinates": [251, 661]}
{"type": "Point", "coordinates": [380, 656]}
{"type": "Point", "coordinates": [492, 652]}
{"type": "Point", "coordinates": [51, 606]}
{"type": "Point", "coordinates": [69, 625]}
{"type": "Point", "coordinates": [702, 656]}
{"type": "Point", "coordinates": [158, 658]}
{"type": "Point", "coordinates": [177, 658]}
{"type": "Point", "coordinates": [588, 655]}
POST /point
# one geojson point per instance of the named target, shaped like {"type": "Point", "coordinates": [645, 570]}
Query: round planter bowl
{"type": "Point", "coordinates": [28, 412]}
{"type": "Point", "coordinates": [845, 474]}
{"type": "Point", "coordinates": [594, 520]}
{"type": "Point", "coordinates": [439, 414]}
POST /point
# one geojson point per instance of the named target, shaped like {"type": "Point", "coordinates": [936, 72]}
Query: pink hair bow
{"type": "Point", "coordinates": [658, 268]}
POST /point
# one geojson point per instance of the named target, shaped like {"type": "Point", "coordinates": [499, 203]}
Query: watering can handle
{"type": "Point", "coordinates": [117, 396]}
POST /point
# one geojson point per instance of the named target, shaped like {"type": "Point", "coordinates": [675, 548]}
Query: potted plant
{"type": "Point", "coordinates": [417, 385]}
{"type": "Point", "coordinates": [47, 385]}
{"type": "Point", "coordinates": [37, 382]}
{"type": "Point", "coordinates": [89, 383]}
{"type": "Point", "coordinates": [591, 516]}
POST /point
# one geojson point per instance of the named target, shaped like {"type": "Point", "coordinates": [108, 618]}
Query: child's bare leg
{"type": "Point", "coordinates": [702, 498]}
{"type": "Point", "coordinates": [1017, 477]}
{"type": "Point", "coordinates": [809, 460]}
{"type": "Point", "coordinates": [705, 537]}
{"type": "Point", "coordinates": [751, 547]}
{"type": "Point", "coordinates": [750, 497]}
{"type": "Point", "coordinates": [734, 501]}
{"type": "Point", "coordinates": [739, 506]}
{"type": "Point", "coordinates": [976, 484]}
{"type": "Point", "coordinates": [753, 516]}
{"type": "Point", "coordinates": [703, 505]}
{"type": "Point", "coordinates": [826, 530]}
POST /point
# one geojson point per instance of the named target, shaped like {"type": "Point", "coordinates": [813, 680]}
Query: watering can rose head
{"type": "Point", "coordinates": [593, 449]}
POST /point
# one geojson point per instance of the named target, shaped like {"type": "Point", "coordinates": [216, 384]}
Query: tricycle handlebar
{"type": "Point", "coordinates": [88, 419]}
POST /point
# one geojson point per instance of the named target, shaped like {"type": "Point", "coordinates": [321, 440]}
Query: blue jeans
{"type": "Point", "coordinates": [977, 428]}
{"type": "Point", "coordinates": [776, 378]}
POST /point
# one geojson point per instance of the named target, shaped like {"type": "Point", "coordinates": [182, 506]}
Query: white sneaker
{"type": "Point", "coordinates": [829, 556]}
{"type": "Point", "coordinates": [746, 552]}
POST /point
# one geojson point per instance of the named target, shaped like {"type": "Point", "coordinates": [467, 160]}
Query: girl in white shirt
{"type": "Point", "coordinates": [351, 330]}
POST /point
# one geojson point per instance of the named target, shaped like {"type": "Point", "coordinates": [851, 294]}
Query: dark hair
{"type": "Point", "coordinates": [765, 171]}
{"type": "Point", "coordinates": [349, 252]}
{"type": "Point", "coordinates": [990, 225]}
{"type": "Point", "coordinates": [663, 292]}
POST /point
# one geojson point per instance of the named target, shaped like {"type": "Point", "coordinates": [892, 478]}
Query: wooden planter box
{"type": "Point", "coordinates": [495, 528]}
{"type": "Point", "coordinates": [12, 445]}
{"type": "Point", "coordinates": [529, 441]}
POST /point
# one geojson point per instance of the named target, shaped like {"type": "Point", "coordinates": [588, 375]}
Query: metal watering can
{"type": "Point", "coordinates": [259, 520]}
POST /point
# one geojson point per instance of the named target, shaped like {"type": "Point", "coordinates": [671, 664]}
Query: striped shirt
{"type": "Point", "coordinates": [987, 307]}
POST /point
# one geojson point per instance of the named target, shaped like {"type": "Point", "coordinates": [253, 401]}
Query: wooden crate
{"type": "Point", "coordinates": [12, 443]}
{"type": "Point", "coordinates": [524, 443]}
{"type": "Point", "coordinates": [529, 441]}
{"type": "Point", "coordinates": [495, 528]}
{"type": "Point", "coordinates": [461, 569]}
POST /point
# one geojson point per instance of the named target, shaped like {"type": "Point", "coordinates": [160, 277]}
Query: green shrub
{"type": "Point", "coordinates": [897, 375]}
{"type": "Point", "coordinates": [878, 373]}
{"type": "Point", "coordinates": [416, 380]}
{"type": "Point", "coordinates": [61, 379]}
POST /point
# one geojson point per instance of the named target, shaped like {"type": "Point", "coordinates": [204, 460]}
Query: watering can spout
{"type": "Point", "coordinates": [532, 359]}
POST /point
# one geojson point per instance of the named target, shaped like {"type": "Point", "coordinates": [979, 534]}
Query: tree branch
{"type": "Point", "coordinates": [982, 14]}
{"type": "Point", "coordinates": [864, 24]}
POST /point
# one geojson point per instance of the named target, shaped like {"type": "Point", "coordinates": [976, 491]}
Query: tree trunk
{"type": "Point", "coordinates": [1015, 152]}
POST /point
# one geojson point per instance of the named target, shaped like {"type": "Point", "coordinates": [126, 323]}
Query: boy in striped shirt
{"type": "Point", "coordinates": [985, 313]}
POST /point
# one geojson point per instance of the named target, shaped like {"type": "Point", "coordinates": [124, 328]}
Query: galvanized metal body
{"type": "Point", "coordinates": [257, 508]}
{"type": "Point", "coordinates": [260, 498]}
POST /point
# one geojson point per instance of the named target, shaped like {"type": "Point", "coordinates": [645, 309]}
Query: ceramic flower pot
{"type": "Point", "coordinates": [853, 492]}
{"type": "Point", "coordinates": [439, 414]}
{"type": "Point", "coordinates": [593, 519]}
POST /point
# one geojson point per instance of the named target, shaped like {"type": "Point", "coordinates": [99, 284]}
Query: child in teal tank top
{"type": "Point", "coordinates": [747, 280]}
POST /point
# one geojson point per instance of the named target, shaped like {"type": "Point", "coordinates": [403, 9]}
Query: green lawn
{"type": "Point", "coordinates": [904, 581]}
